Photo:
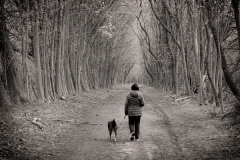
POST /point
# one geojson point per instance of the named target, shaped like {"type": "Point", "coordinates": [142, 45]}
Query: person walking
{"type": "Point", "coordinates": [133, 108]}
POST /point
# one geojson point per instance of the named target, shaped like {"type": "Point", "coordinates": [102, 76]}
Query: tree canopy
{"type": "Point", "coordinates": [51, 49]}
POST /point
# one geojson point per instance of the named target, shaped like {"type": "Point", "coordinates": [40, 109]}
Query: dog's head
{"type": "Point", "coordinates": [112, 124]}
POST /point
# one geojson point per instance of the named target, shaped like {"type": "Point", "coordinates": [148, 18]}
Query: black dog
{"type": "Point", "coordinates": [112, 127]}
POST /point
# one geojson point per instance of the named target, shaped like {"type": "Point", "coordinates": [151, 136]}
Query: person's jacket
{"type": "Point", "coordinates": [134, 103]}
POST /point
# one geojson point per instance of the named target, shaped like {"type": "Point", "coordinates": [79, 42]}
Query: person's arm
{"type": "Point", "coordinates": [142, 102]}
{"type": "Point", "coordinates": [126, 107]}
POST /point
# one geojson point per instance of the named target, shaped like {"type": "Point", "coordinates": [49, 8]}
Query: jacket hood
{"type": "Point", "coordinates": [134, 94]}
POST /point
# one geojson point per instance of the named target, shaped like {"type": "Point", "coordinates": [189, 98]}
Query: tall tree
{"type": "Point", "coordinates": [38, 69]}
{"type": "Point", "coordinates": [228, 76]}
{"type": "Point", "coordinates": [10, 76]}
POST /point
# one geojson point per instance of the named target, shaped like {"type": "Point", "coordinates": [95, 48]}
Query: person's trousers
{"type": "Point", "coordinates": [134, 125]}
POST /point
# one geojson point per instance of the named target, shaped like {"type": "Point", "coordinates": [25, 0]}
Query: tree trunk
{"type": "Point", "coordinates": [4, 97]}
{"type": "Point", "coordinates": [229, 79]}
{"type": "Point", "coordinates": [25, 49]}
{"type": "Point", "coordinates": [183, 53]}
{"type": "Point", "coordinates": [38, 69]}
{"type": "Point", "coordinates": [194, 21]}
{"type": "Point", "coordinates": [58, 53]}
{"type": "Point", "coordinates": [236, 6]}
{"type": "Point", "coordinates": [10, 76]}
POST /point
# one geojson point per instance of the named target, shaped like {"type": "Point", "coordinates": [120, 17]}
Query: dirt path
{"type": "Point", "coordinates": [77, 129]}
{"type": "Point", "coordinates": [168, 131]}
{"type": "Point", "coordinates": [97, 144]}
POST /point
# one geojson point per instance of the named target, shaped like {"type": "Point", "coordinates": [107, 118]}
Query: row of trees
{"type": "Point", "coordinates": [184, 39]}
{"type": "Point", "coordinates": [62, 47]}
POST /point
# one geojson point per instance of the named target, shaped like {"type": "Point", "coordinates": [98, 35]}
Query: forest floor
{"type": "Point", "coordinates": [76, 128]}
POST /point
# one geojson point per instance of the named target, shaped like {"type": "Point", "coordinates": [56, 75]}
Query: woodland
{"type": "Point", "coordinates": [53, 49]}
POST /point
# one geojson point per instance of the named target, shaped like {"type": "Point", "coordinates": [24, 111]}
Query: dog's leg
{"type": "Point", "coordinates": [115, 134]}
{"type": "Point", "coordinates": [110, 133]}
{"type": "Point", "coordinates": [115, 138]}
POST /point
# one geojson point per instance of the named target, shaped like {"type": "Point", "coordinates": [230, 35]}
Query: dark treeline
{"type": "Point", "coordinates": [185, 41]}
{"type": "Point", "coordinates": [56, 48]}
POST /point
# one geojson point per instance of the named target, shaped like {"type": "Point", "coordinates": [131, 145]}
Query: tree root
{"type": "Point", "coordinates": [230, 114]}
{"type": "Point", "coordinates": [38, 122]}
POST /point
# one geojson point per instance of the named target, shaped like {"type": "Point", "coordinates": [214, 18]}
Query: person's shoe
{"type": "Point", "coordinates": [137, 140]}
{"type": "Point", "coordinates": [132, 136]}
